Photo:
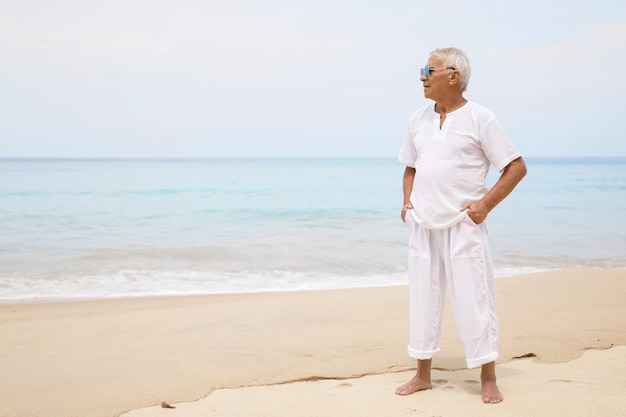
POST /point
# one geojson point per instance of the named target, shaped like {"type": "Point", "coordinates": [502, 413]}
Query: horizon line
{"type": "Point", "coordinates": [174, 158]}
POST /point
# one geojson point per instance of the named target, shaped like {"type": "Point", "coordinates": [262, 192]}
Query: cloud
{"type": "Point", "coordinates": [331, 77]}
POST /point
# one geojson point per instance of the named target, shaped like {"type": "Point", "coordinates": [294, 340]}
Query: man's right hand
{"type": "Point", "coordinates": [407, 206]}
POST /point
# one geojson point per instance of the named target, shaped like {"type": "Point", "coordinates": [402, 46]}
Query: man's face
{"type": "Point", "coordinates": [435, 85]}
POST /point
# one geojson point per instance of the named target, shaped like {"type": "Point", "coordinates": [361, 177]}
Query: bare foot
{"type": "Point", "coordinates": [414, 385]}
{"type": "Point", "coordinates": [491, 393]}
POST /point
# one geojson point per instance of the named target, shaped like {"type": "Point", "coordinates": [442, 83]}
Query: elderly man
{"type": "Point", "coordinates": [447, 150]}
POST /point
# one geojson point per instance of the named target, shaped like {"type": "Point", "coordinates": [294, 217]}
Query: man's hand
{"type": "Point", "coordinates": [511, 175]}
{"type": "Point", "coordinates": [407, 206]}
{"type": "Point", "coordinates": [476, 211]}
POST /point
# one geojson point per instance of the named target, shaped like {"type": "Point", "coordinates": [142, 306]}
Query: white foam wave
{"type": "Point", "coordinates": [146, 283]}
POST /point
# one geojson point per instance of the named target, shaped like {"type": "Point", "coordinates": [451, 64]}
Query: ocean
{"type": "Point", "coordinates": [75, 229]}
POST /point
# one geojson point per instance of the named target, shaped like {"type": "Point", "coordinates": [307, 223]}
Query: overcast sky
{"type": "Point", "coordinates": [265, 78]}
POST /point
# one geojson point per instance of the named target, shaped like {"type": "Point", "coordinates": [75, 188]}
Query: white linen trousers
{"type": "Point", "coordinates": [458, 259]}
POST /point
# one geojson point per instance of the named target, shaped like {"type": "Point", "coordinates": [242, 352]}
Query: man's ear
{"type": "Point", "coordinates": [455, 77]}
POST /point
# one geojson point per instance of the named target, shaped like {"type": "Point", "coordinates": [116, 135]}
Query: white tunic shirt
{"type": "Point", "coordinates": [451, 163]}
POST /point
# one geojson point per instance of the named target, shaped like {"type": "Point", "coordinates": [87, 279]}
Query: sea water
{"type": "Point", "coordinates": [86, 228]}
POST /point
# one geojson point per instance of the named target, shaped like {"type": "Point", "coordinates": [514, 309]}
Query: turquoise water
{"type": "Point", "coordinates": [117, 228]}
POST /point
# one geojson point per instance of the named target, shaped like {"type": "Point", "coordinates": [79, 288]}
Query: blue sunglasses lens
{"type": "Point", "coordinates": [424, 72]}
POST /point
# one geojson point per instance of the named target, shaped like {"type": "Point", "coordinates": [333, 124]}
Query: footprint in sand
{"type": "Point", "coordinates": [443, 382]}
{"type": "Point", "coordinates": [569, 381]}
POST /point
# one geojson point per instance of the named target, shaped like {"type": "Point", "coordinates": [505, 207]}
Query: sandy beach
{"type": "Point", "coordinates": [325, 354]}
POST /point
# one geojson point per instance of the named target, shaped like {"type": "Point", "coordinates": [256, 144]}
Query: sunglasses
{"type": "Point", "coordinates": [425, 72]}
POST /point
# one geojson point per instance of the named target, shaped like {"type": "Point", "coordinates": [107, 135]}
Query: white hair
{"type": "Point", "coordinates": [455, 58]}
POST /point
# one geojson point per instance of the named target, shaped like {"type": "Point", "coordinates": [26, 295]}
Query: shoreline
{"type": "Point", "coordinates": [107, 357]}
{"type": "Point", "coordinates": [505, 273]}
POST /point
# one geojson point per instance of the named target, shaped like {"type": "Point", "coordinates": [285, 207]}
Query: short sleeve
{"type": "Point", "coordinates": [497, 145]}
{"type": "Point", "coordinates": [407, 155]}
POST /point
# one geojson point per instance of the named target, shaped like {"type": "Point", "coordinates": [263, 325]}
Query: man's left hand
{"type": "Point", "coordinates": [476, 211]}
